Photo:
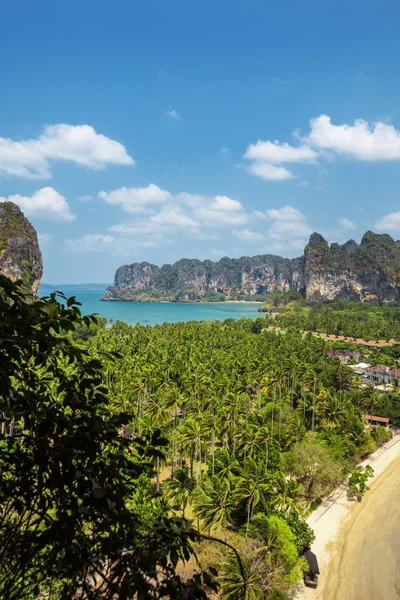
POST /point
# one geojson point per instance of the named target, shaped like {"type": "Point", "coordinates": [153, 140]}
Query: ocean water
{"type": "Point", "coordinates": [151, 313]}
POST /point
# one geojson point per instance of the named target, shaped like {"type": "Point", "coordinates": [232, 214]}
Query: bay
{"type": "Point", "coordinates": [151, 313]}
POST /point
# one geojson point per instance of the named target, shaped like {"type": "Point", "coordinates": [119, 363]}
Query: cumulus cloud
{"type": "Point", "coordinates": [218, 214]}
{"type": "Point", "coordinates": [289, 229]}
{"type": "Point", "coordinates": [183, 209]}
{"type": "Point", "coordinates": [136, 199]}
{"type": "Point", "coordinates": [360, 140]}
{"type": "Point", "coordinates": [346, 223]}
{"type": "Point", "coordinates": [390, 222]}
{"type": "Point", "coordinates": [270, 172]}
{"type": "Point", "coordinates": [79, 144]}
{"type": "Point", "coordinates": [46, 203]}
{"type": "Point", "coordinates": [97, 243]}
{"type": "Point", "coordinates": [246, 235]}
{"type": "Point", "coordinates": [287, 213]}
{"type": "Point", "coordinates": [89, 243]}
{"type": "Point", "coordinates": [269, 156]}
{"type": "Point", "coordinates": [226, 204]}
{"type": "Point", "coordinates": [276, 152]}
{"type": "Point", "coordinates": [174, 217]}
{"type": "Point", "coordinates": [158, 216]}
{"type": "Point", "coordinates": [85, 198]}
{"type": "Point", "coordinates": [379, 141]}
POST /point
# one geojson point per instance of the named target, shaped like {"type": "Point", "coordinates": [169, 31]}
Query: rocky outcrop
{"type": "Point", "coordinates": [366, 272]}
{"type": "Point", "coordinates": [194, 280]}
{"type": "Point", "coordinates": [20, 256]}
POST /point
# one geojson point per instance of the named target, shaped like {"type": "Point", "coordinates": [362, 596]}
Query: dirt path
{"type": "Point", "coordinates": [366, 555]}
{"type": "Point", "coordinates": [342, 338]}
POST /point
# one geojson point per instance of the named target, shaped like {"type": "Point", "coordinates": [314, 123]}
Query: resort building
{"type": "Point", "coordinates": [375, 420]}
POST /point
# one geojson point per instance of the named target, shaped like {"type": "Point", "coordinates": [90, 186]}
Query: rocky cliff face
{"type": "Point", "coordinates": [20, 256]}
{"type": "Point", "coordinates": [366, 272]}
{"type": "Point", "coordinates": [193, 280]}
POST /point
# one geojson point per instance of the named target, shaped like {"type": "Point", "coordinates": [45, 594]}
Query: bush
{"type": "Point", "coordinates": [358, 481]}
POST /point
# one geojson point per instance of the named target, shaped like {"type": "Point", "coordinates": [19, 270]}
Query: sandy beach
{"type": "Point", "coordinates": [357, 543]}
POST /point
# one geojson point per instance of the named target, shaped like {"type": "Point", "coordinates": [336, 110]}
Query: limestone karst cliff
{"type": "Point", "coordinates": [20, 255]}
{"type": "Point", "coordinates": [191, 280]}
{"type": "Point", "coordinates": [366, 272]}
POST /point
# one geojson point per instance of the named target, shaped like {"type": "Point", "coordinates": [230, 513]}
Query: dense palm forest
{"type": "Point", "coordinates": [340, 317]}
{"type": "Point", "coordinates": [259, 425]}
{"type": "Point", "coordinates": [179, 460]}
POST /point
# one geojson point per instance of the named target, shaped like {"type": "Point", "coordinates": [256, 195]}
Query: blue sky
{"type": "Point", "coordinates": [157, 130]}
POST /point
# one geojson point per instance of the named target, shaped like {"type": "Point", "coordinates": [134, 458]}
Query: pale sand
{"type": "Point", "coordinates": [358, 544]}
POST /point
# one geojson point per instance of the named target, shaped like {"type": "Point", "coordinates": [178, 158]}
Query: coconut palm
{"type": "Point", "coordinates": [180, 488]}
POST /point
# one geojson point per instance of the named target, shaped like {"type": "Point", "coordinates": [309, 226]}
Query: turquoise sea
{"type": "Point", "coordinates": [150, 313]}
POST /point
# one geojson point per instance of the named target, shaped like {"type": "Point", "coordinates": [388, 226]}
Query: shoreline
{"type": "Point", "coordinates": [135, 301]}
{"type": "Point", "coordinates": [337, 514]}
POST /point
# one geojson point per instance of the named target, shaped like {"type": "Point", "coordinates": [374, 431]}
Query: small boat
{"type": "Point", "coordinates": [311, 577]}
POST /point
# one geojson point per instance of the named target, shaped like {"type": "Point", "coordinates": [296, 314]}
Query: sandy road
{"type": "Point", "coordinates": [358, 544]}
{"type": "Point", "coordinates": [366, 555]}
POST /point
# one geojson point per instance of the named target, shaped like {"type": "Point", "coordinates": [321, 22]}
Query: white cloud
{"type": "Point", "coordinates": [287, 213]}
{"type": "Point", "coordinates": [171, 112]}
{"type": "Point", "coordinates": [379, 141]}
{"type": "Point", "coordinates": [89, 243]}
{"type": "Point", "coordinates": [288, 230]}
{"type": "Point", "coordinates": [346, 223]}
{"type": "Point", "coordinates": [224, 150]}
{"type": "Point", "coordinates": [390, 222]}
{"type": "Point", "coordinates": [161, 215]}
{"type": "Point", "coordinates": [46, 203]}
{"type": "Point", "coordinates": [220, 218]}
{"type": "Point", "coordinates": [277, 153]}
{"type": "Point", "coordinates": [137, 199]}
{"type": "Point", "coordinates": [270, 172]}
{"type": "Point", "coordinates": [291, 229]}
{"type": "Point", "coordinates": [225, 203]}
{"type": "Point", "coordinates": [217, 211]}
{"type": "Point", "coordinates": [174, 217]}
{"type": "Point", "coordinates": [246, 235]}
{"type": "Point", "coordinates": [258, 214]}
{"type": "Point", "coordinates": [75, 143]}
{"type": "Point", "coordinates": [362, 141]}
{"type": "Point", "coordinates": [85, 198]}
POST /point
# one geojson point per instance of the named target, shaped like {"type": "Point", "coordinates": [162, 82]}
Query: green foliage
{"type": "Point", "coordinates": [250, 422]}
{"type": "Point", "coordinates": [358, 481]}
{"type": "Point", "coordinates": [381, 434]}
{"type": "Point", "coordinates": [70, 483]}
{"type": "Point", "coordinates": [312, 466]}
{"type": "Point", "coordinates": [340, 317]}
{"type": "Point", "coordinates": [213, 296]}
{"type": "Point", "coordinates": [304, 535]}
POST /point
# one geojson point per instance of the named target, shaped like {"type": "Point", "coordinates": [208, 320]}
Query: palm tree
{"type": "Point", "coordinates": [180, 488]}
{"type": "Point", "coordinates": [213, 502]}
{"type": "Point", "coordinates": [251, 487]}
{"type": "Point", "coordinates": [240, 582]}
